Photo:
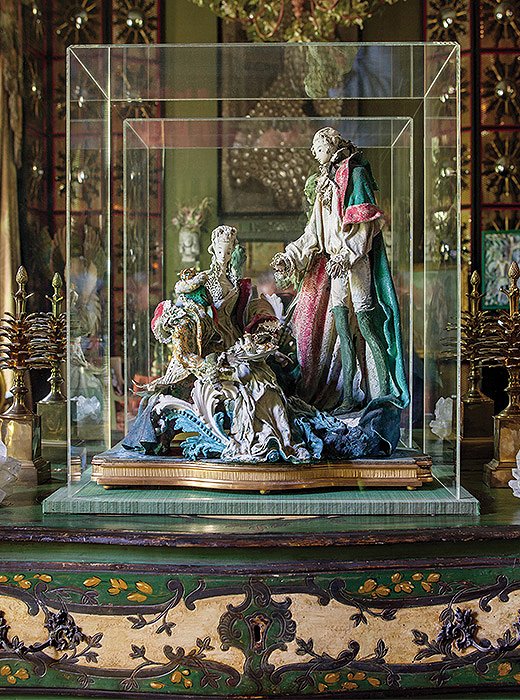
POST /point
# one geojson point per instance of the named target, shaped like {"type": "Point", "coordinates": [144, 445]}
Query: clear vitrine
{"type": "Point", "coordinates": [153, 130]}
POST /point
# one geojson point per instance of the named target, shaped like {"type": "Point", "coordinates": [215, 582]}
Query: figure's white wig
{"type": "Point", "coordinates": [228, 233]}
{"type": "Point", "coordinates": [335, 138]}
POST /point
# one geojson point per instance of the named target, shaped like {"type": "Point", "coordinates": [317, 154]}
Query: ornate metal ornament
{"type": "Point", "coordinates": [505, 337]}
{"type": "Point", "coordinates": [56, 341]}
{"type": "Point", "coordinates": [84, 177]}
{"type": "Point", "coordinates": [23, 345]}
{"type": "Point", "coordinates": [501, 220]}
{"type": "Point", "coordinates": [36, 171]}
{"type": "Point", "coordinates": [37, 18]}
{"type": "Point", "coordinates": [500, 91]}
{"type": "Point", "coordinates": [447, 20]}
{"type": "Point", "coordinates": [280, 20]}
{"type": "Point", "coordinates": [135, 21]}
{"type": "Point", "coordinates": [53, 408]}
{"type": "Point", "coordinates": [34, 87]}
{"type": "Point", "coordinates": [502, 18]}
{"type": "Point", "coordinates": [24, 338]}
{"type": "Point", "coordinates": [501, 167]}
{"type": "Point", "coordinates": [478, 350]}
{"type": "Point", "coordinates": [284, 172]}
{"type": "Point", "coordinates": [82, 104]}
{"type": "Point", "coordinates": [443, 217]}
{"type": "Point", "coordinates": [79, 21]}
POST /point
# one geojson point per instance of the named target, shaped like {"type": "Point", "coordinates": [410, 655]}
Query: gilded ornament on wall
{"type": "Point", "coordinates": [501, 220]}
{"type": "Point", "coordinates": [447, 20]}
{"type": "Point", "coordinates": [254, 172]}
{"type": "Point", "coordinates": [36, 19]}
{"type": "Point", "coordinates": [78, 22]}
{"type": "Point", "coordinates": [135, 21]}
{"type": "Point", "coordinates": [34, 87]}
{"type": "Point", "coordinates": [501, 167]}
{"type": "Point", "coordinates": [131, 82]}
{"type": "Point", "coordinates": [84, 177]}
{"type": "Point", "coordinates": [82, 101]}
{"type": "Point", "coordinates": [36, 172]}
{"type": "Point", "coordinates": [501, 22]}
{"type": "Point", "coordinates": [501, 91]}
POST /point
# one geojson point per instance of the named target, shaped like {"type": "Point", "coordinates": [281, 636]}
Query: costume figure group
{"type": "Point", "coordinates": [237, 381]}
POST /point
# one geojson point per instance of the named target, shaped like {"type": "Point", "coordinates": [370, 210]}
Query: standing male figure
{"type": "Point", "coordinates": [342, 249]}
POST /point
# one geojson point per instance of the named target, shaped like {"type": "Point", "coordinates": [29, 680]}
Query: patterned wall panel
{"type": "Point", "coordinates": [489, 34]}
{"type": "Point", "coordinates": [35, 219]}
{"type": "Point", "coordinates": [49, 28]}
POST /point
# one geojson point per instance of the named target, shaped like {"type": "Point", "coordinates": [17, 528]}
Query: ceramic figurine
{"type": "Point", "coordinates": [190, 222]}
{"type": "Point", "coordinates": [232, 381]}
{"type": "Point", "coordinates": [212, 309]}
{"type": "Point", "coordinates": [255, 425]}
{"type": "Point", "coordinates": [346, 323]}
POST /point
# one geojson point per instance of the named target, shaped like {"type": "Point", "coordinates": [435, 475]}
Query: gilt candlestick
{"type": "Point", "coordinates": [477, 408]}
{"type": "Point", "coordinates": [23, 339]}
{"type": "Point", "coordinates": [507, 423]}
{"type": "Point", "coordinates": [53, 408]}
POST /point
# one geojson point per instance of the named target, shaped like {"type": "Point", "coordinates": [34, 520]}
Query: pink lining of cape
{"type": "Point", "coordinates": [357, 213]}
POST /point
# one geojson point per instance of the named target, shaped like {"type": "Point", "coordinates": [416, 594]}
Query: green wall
{"type": "Point", "coordinates": [189, 176]}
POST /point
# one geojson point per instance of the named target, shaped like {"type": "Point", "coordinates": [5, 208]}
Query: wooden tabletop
{"type": "Point", "coordinates": [21, 520]}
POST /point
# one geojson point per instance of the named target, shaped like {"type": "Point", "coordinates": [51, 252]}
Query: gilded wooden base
{"type": "Point", "coordinates": [398, 471]}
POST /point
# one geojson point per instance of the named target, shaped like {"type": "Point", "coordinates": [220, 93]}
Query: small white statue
{"type": "Point", "coordinates": [191, 221]}
{"type": "Point", "coordinates": [189, 246]}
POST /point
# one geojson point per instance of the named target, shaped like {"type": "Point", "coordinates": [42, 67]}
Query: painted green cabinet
{"type": "Point", "coordinates": [267, 607]}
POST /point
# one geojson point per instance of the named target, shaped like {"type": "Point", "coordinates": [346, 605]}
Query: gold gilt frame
{"type": "Point", "coordinates": [400, 471]}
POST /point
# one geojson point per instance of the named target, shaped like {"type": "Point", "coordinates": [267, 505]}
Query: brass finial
{"type": "Point", "coordinates": [513, 292]}
{"type": "Point", "coordinates": [22, 276]}
{"type": "Point", "coordinates": [57, 298]}
{"type": "Point", "coordinates": [57, 282]}
{"type": "Point", "coordinates": [475, 345]}
{"type": "Point", "coordinates": [474, 296]}
{"type": "Point", "coordinates": [55, 331]}
{"type": "Point", "coordinates": [21, 296]}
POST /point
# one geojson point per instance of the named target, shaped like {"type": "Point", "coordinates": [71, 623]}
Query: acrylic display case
{"type": "Point", "coordinates": [154, 129]}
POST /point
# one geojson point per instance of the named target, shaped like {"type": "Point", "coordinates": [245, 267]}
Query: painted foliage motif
{"type": "Point", "coordinates": [226, 635]}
